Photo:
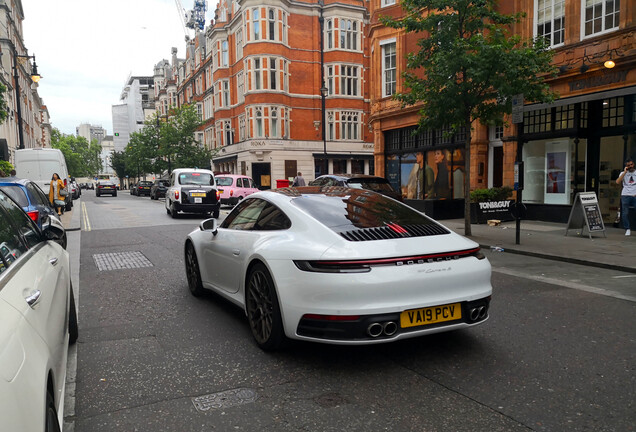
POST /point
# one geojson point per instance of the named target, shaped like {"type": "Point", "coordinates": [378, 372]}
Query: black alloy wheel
{"type": "Point", "coordinates": [52, 425]}
{"type": "Point", "coordinates": [263, 311]}
{"type": "Point", "coordinates": [173, 211]}
{"type": "Point", "coordinates": [193, 273]}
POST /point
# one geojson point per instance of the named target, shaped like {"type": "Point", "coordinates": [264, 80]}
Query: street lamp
{"type": "Point", "coordinates": [323, 93]}
{"type": "Point", "coordinates": [35, 77]}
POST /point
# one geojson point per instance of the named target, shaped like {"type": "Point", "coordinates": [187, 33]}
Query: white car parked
{"type": "Point", "coordinates": [37, 321]}
{"type": "Point", "coordinates": [340, 266]}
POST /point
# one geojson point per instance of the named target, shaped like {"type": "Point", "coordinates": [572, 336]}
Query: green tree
{"type": "Point", "coordinates": [82, 158]}
{"type": "Point", "coordinates": [177, 145]}
{"type": "Point", "coordinates": [118, 162]}
{"type": "Point", "coordinates": [5, 167]}
{"type": "Point", "coordinates": [4, 108]}
{"type": "Point", "coordinates": [468, 67]}
{"type": "Point", "coordinates": [140, 153]}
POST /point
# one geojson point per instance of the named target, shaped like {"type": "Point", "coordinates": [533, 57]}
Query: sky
{"type": "Point", "coordinates": [86, 50]}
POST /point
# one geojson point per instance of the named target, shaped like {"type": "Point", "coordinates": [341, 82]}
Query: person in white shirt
{"type": "Point", "coordinates": [628, 195]}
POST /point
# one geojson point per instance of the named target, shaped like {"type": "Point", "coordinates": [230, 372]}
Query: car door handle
{"type": "Point", "coordinates": [53, 261]}
{"type": "Point", "coordinates": [236, 252]}
{"type": "Point", "coordinates": [33, 298]}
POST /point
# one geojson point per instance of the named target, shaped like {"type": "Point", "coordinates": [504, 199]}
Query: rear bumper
{"type": "Point", "coordinates": [197, 208]}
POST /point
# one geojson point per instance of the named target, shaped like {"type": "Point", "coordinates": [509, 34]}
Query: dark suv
{"type": "Point", "coordinates": [159, 188]}
{"type": "Point", "coordinates": [358, 181]}
{"type": "Point", "coordinates": [143, 188]}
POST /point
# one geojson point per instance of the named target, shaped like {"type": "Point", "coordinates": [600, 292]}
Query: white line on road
{"type": "Point", "coordinates": [566, 284]}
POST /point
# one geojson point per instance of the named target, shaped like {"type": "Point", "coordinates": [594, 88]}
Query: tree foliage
{"type": "Point", "coordinates": [162, 146]}
{"type": "Point", "coordinates": [5, 168]}
{"type": "Point", "coordinates": [4, 108]}
{"type": "Point", "coordinates": [83, 159]}
{"type": "Point", "coordinates": [468, 67]}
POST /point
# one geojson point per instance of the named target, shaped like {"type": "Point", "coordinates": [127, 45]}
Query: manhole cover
{"type": "Point", "coordinates": [224, 399]}
{"type": "Point", "coordinates": [121, 260]}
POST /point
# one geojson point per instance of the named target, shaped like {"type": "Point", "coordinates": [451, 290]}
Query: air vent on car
{"type": "Point", "coordinates": [392, 231]}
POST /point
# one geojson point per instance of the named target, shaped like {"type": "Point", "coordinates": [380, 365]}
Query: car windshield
{"type": "Point", "coordinates": [145, 183]}
{"type": "Point", "coordinates": [224, 181]}
{"type": "Point", "coordinates": [343, 209]}
{"type": "Point", "coordinates": [17, 194]}
{"type": "Point", "coordinates": [196, 178]}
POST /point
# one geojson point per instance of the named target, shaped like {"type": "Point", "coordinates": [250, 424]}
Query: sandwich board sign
{"type": "Point", "coordinates": [586, 213]}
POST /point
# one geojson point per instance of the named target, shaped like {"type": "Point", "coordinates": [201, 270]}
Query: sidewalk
{"type": "Point", "coordinates": [548, 240]}
{"type": "Point", "coordinates": [72, 219]}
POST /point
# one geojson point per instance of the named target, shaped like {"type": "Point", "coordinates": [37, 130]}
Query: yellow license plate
{"type": "Point", "coordinates": [430, 315]}
{"type": "Point", "coordinates": [197, 194]}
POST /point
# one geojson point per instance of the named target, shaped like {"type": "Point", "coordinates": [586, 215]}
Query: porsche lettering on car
{"type": "Point", "coordinates": [339, 265]}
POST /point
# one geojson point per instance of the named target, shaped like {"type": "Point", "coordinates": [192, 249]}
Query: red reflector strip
{"type": "Point", "coordinates": [417, 258]}
{"type": "Point", "coordinates": [34, 215]}
{"type": "Point", "coordinates": [331, 317]}
{"type": "Point", "coordinates": [398, 229]}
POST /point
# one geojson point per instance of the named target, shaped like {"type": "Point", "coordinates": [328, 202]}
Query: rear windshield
{"type": "Point", "coordinates": [224, 181]}
{"type": "Point", "coordinates": [145, 183]}
{"type": "Point", "coordinates": [196, 178]}
{"type": "Point", "coordinates": [343, 209]}
{"type": "Point", "coordinates": [17, 193]}
{"type": "Point", "coordinates": [375, 184]}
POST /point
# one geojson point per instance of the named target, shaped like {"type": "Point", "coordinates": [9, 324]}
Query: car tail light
{"type": "Point", "coordinates": [34, 215]}
{"type": "Point", "coordinates": [232, 192]}
{"type": "Point", "coordinates": [100, 186]}
{"type": "Point", "coordinates": [176, 195]}
{"type": "Point", "coordinates": [65, 183]}
{"type": "Point", "coordinates": [363, 266]}
{"type": "Point", "coordinates": [218, 194]}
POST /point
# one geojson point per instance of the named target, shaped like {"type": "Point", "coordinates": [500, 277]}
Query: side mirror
{"type": "Point", "coordinates": [209, 225]}
{"type": "Point", "coordinates": [53, 229]}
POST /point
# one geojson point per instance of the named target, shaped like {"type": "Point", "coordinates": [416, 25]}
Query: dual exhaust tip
{"type": "Point", "coordinates": [478, 313]}
{"type": "Point", "coordinates": [377, 329]}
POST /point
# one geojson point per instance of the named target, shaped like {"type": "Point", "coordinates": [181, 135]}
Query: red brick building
{"type": "Point", "coordinates": [582, 138]}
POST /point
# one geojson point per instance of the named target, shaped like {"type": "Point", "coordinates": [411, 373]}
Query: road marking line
{"type": "Point", "coordinates": [87, 223]}
{"type": "Point", "coordinates": [566, 284]}
{"type": "Point", "coordinates": [625, 276]}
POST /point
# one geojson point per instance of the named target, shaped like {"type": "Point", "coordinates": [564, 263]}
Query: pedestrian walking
{"type": "Point", "coordinates": [628, 195]}
{"type": "Point", "coordinates": [55, 190]}
{"type": "Point", "coordinates": [299, 180]}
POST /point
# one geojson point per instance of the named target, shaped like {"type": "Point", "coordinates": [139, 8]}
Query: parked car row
{"type": "Point", "coordinates": [38, 318]}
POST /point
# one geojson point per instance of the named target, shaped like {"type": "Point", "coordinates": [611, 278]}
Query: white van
{"type": "Point", "coordinates": [39, 164]}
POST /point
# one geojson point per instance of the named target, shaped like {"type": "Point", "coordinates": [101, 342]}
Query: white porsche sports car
{"type": "Point", "coordinates": [340, 266]}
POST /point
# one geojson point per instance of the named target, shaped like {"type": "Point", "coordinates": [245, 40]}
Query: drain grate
{"type": "Point", "coordinates": [224, 399]}
{"type": "Point", "coordinates": [121, 260]}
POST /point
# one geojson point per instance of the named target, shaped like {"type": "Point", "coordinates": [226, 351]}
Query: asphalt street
{"type": "Point", "coordinates": [557, 353]}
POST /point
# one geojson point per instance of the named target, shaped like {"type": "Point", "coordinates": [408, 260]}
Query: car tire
{"type": "Point", "coordinates": [51, 422]}
{"type": "Point", "coordinates": [263, 310]}
{"type": "Point", "coordinates": [173, 211]}
{"type": "Point", "coordinates": [73, 328]}
{"type": "Point", "coordinates": [115, 194]}
{"type": "Point", "coordinates": [96, 193]}
{"type": "Point", "coordinates": [215, 213]}
{"type": "Point", "coordinates": [68, 206]}
{"type": "Point", "coordinates": [64, 241]}
{"type": "Point", "coordinates": [193, 272]}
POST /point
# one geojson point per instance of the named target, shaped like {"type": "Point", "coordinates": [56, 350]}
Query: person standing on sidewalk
{"type": "Point", "coordinates": [299, 180]}
{"type": "Point", "coordinates": [628, 195]}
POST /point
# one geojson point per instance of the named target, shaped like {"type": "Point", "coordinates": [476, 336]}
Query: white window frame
{"type": "Point", "coordinates": [240, 86]}
{"type": "Point", "coordinates": [242, 127]}
{"type": "Point", "coordinates": [349, 34]}
{"type": "Point", "coordinates": [256, 24]}
{"type": "Point", "coordinates": [225, 93]}
{"type": "Point", "coordinates": [603, 17]}
{"type": "Point", "coordinates": [385, 3]}
{"type": "Point", "coordinates": [384, 45]}
{"type": "Point", "coordinates": [239, 43]}
{"type": "Point", "coordinates": [340, 128]}
{"type": "Point", "coordinates": [549, 15]}
{"type": "Point", "coordinates": [225, 54]}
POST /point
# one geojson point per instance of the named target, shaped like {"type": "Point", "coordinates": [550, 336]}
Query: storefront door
{"type": "Point", "coordinates": [262, 175]}
{"type": "Point", "coordinates": [610, 164]}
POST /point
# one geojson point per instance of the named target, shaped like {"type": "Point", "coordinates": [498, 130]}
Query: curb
{"type": "Point", "coordinates": [564, 259]}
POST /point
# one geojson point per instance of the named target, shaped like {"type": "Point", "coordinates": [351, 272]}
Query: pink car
{"type": "Point", "coordinates": [234, 187]}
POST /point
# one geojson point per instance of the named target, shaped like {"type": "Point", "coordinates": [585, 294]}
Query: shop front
{"type": "Point", "coordinates": [577, 144]}
{"type": "Point", "coordinates": [428, 169]}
